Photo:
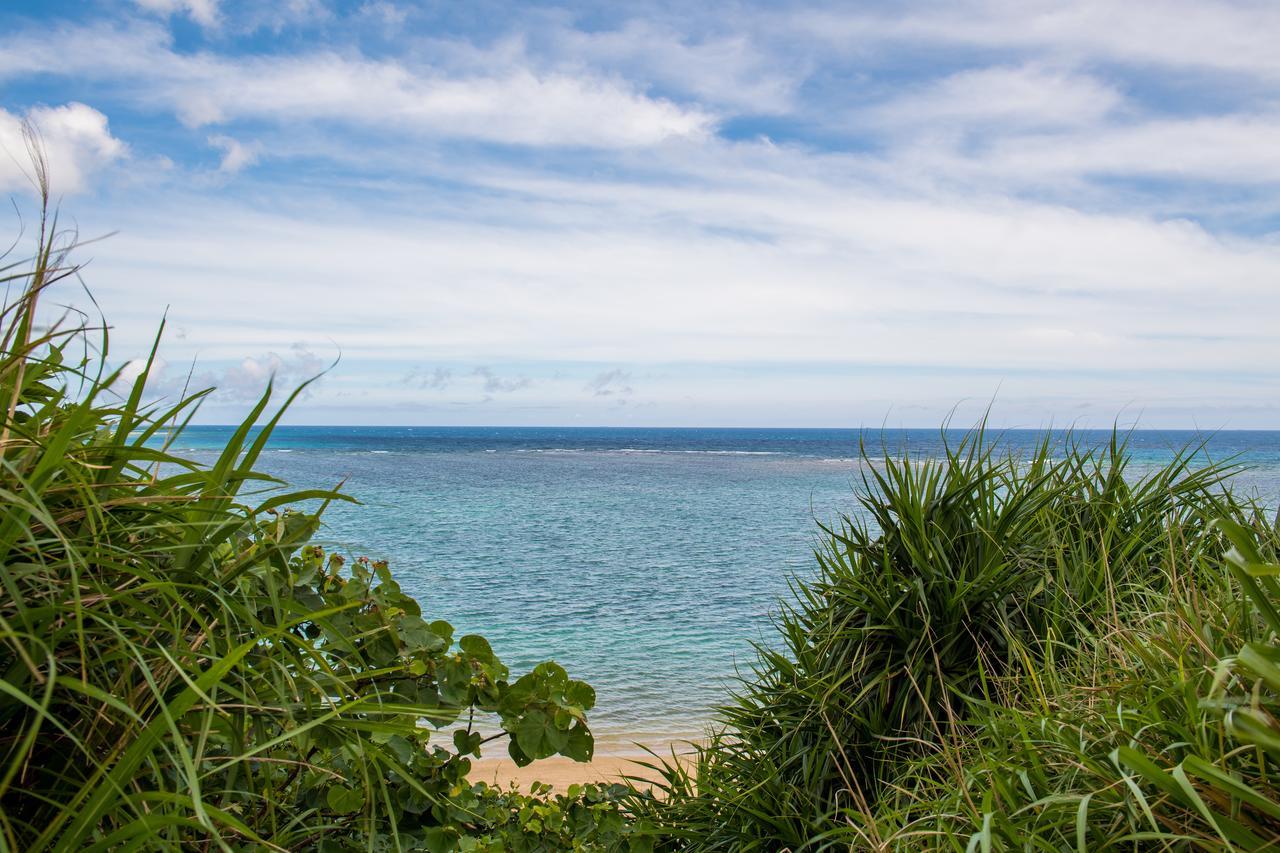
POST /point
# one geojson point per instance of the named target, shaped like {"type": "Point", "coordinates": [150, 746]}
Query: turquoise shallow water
{"type": "Point", "coordinates": [643, 560]}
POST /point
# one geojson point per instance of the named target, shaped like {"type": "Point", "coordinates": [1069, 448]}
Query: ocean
{"type": "Point", "coordinates": [645, 561]}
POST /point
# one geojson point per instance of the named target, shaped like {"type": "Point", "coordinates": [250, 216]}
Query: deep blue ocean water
{"type": "Point", "coordinates": [644, 560]}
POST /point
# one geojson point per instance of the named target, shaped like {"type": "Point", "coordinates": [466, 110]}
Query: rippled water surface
{"type": "Point", "coordinates": [643, 560]}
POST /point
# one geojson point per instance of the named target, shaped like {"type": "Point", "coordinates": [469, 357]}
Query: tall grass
{"type": "Point", "coordinates": [1005, 653]}
{"type": "Point", "coordinates": [182, 669]}
{"type": "Point", "coordinates": [1156, 733]}
{"type": "Point", "coordinates": [1061, 652]}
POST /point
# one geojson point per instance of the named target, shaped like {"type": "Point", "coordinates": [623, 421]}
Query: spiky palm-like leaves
{"type": "Point", "coordinates": [956, 591]}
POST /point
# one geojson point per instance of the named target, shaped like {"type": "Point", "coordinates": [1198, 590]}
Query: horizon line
{"type": "Point", "coordinates": [988, 428]}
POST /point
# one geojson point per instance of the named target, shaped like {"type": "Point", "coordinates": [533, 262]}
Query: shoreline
{"type": "Point", "coordinates": [560, 772]}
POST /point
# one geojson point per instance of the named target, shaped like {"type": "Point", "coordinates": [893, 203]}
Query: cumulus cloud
{"type": "Point", "coordinates": [245, 381]}
{"type": "Point", "coordinates": [236, 155]}
{"type": "Point", "coordinates": [75, 139]}
{"type": "Point", "coordinates": [234, 382]}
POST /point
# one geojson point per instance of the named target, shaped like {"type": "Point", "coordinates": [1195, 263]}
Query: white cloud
{"type": "Point", "coordinates": [518, 106]}
{"type": "Point", "coordinates": [968, 240]}
{"type": "Point", "coordinates": [1231, 37]}
{"type": "Point", "coordinates": [246, 381]}
{"type": "Point", "coordinates": [242, 380]}
{"type": "Point", "coordinates": [728, 69]}
{"type": "Point", "coordinates": [276, 16]}
{"type": "Point", "coordinates": [1230, 148]}
{"type": "Point", "coordinates": [1018, 97]}
{"type": "Point", "coordinates": [134, 368]}
{"type": "Point", "coordinates": [75, 139]}
{"type": "Point", "coordinates": [840, 273]}
{"type": "Point", "coordinates": [236, 155]}
{"type": "Point", "coordinates": [203, 12]}
{"type": "Point", "coordinates": [771, 257]}
{"type": "Point", "coordinates": [1203, 153]}
{"type": "Point", "coordinates": [388, 14]}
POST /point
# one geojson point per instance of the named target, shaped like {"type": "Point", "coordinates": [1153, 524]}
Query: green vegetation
{"type": "Point", "coordinates": [1058, 653]}
{"type": "Point", "coordinates": [182, 669]}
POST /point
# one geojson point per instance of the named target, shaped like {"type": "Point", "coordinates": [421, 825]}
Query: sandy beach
{"type": "Point", "coordinates": [560, 772]}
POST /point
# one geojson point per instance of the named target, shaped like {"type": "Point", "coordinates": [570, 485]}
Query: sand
{"type": "Point", "coordinates": [560, 772]}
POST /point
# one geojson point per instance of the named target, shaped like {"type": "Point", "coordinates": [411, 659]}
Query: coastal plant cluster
{"type": "Point", "coordinates": [1068, 652]}
{"type": "Point", "coordinates": [184, 669]}
{"type": "Point", "coordinates": [1065, 652]}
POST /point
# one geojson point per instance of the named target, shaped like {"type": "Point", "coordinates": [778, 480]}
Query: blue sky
{"type": "Point", "coordinates": [775, 214]}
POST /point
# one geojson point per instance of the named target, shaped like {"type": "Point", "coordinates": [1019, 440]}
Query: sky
{"type": "Point", "coordinates": [723, 214]}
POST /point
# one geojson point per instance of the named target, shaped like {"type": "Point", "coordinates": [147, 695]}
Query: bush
{"type": "Point", "coordinates": [963, 667]}
{"type": "Point", "coordinates": [1054, 653]}
{"type": "Point", "coordinates": [183, 669]}
{"type": "Point", "coordinates": [1156, 733]}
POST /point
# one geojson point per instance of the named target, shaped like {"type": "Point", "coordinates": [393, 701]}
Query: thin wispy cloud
{"type": "Point", "coordinates": [1002, 99]}
{"type": "Point", "coordinates": [1235, 37]}
{"type": "Point", "coordinates": [203, 12]}
{"type": "Point", "coordinates": [610, 382]}
{"type": "Point", "coordinates": [434, 378]}
{"type": "Point", "coordinates": [492, 383]}
{"type": "Point", "coordinates": [384, 11]}
{"type": "Point", "coordinates": [236, 155]}
{"type": "Point", "coordinates": [802, 214]}
{"type": "Point", "coordinates": [395, 96]}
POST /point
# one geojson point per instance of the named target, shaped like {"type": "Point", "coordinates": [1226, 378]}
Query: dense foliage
{"type": "Point", "coordinates": [1055, 653]}
{"type": "Point", "coordinates": [1066, 652]}
{"type": "Point", "coordinates": [181, 668]}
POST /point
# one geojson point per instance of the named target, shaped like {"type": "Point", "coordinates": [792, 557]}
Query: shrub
{"type": "Point", "coordinates": [183, 669]}
{"type": "Point", "coordinates": [982, 589]}
{"type": "Point", "coordinates": [1156, 733]}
